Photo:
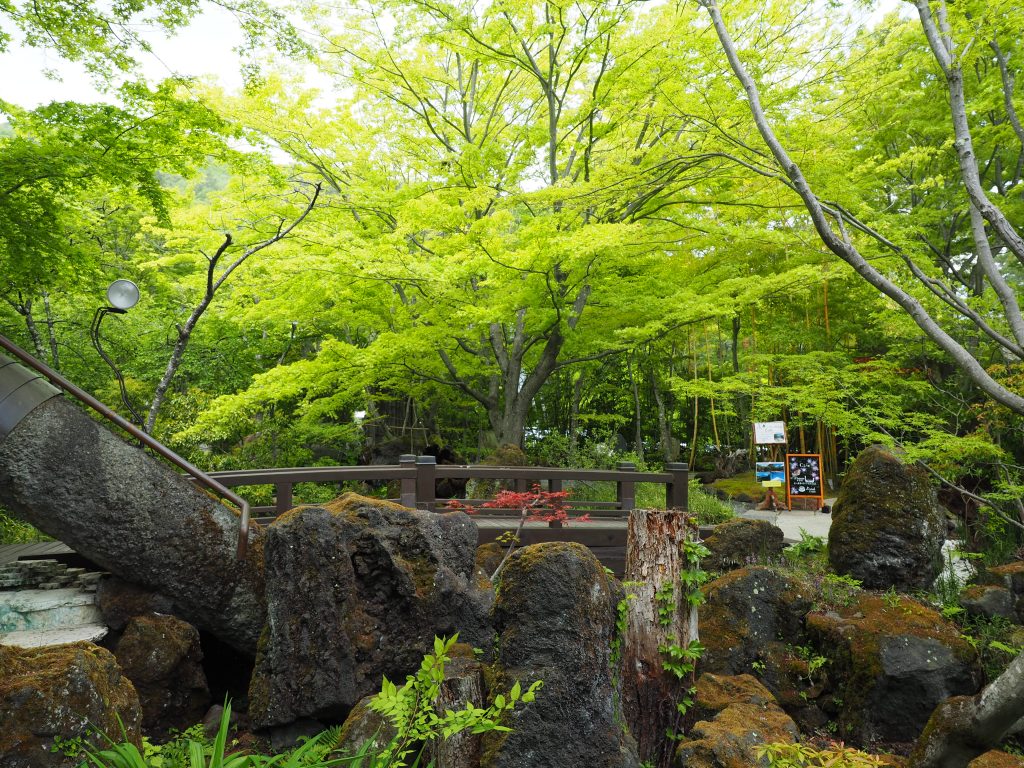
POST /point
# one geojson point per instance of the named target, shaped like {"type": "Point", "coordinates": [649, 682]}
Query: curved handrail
{"type": "Point", "coordinates": [80, 394]}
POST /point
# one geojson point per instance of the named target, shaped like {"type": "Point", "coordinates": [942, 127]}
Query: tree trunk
{"type": "Point", "coordinates": [460, 687]}
{"type": "Point", "coordinates": [638, 435]}
{"type": "Point", "coordinates": [669, 446]}
{"type": "Point", "coordinates": [70, 477]}
{"type": "Point", "coordinates": [51, 333]}
{"type": "Point", "coordinates": [574, 412]}
{"type": "Point", "coordinates": [654, 562]}
{"type": "Point", "coordinates": [964, 727]}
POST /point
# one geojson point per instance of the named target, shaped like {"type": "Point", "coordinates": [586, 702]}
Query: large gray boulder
{"type": "Point", "coordinates": [555, 617]}
{"type": "Point", "coordinates": [357, 589]}
{"type": "Point", "coordinates": [887, 528]}
{"type": "Point", "coordinates": [135, 517]}
{"type": "Point", "coordinates": [61, 692]}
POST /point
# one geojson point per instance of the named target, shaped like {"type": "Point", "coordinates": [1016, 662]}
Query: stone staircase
{"type": "Point", "coordinates": [44, 602]}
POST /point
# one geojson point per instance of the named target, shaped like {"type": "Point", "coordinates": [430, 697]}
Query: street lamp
{"type": "Point", "coordinates": [122, 295]}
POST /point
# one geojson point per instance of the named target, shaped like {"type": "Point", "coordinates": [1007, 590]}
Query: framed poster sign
{"type": "Point", "coordinates": [803, 475]}
{"type": "Point", "coordinates": [769, 433]}
{"type": "Point", "coordinates": [773, 472]}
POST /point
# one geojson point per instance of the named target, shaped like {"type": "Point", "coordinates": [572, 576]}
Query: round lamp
{"type": "Point", "coordinates": [123, 294]}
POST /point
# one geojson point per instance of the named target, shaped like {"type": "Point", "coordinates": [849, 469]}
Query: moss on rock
{"type": "Point", "coordinates": [898, 662]}
{"type": "Point", "coordinates": [741, 714]}
{"type": "Point", "coordinates": [66, 691]}
{"type": "Point", "coordinates": [887, 528]}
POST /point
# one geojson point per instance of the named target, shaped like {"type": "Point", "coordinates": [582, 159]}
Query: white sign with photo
{"type": "Point", "coordinates": [770, 432]}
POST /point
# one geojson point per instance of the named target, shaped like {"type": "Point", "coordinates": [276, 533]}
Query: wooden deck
{"type": "Point", "coordinates": [35, 551]}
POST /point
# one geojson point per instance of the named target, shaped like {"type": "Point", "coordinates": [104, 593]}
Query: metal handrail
{"type": "Point", "coordinates": [57, 380]}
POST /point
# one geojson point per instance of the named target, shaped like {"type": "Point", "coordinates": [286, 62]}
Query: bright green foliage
{"type": "Point", "coordinates": [14, 531]}
{"type": "Point", "coordinates": [784, 755]}
{"type": "Point", "coordinates": [410, 708]}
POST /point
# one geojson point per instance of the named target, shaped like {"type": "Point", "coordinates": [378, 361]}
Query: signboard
{"type": "Point", "coordinates": [770, 432]}
{"type": "Point", "coordinates": [803, 475]}
{"type": "Point", "coordinates": [770, 473]}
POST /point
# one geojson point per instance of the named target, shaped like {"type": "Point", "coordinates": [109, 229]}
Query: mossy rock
{"type": "Point", "coordinates": [897, 662]}
{"type": "Point", "coordinates": [555, 618]}
{"type": "Point", "coordinates": [61, 691]}
{"type": "Point", "coordinates": [357, 589]}
{"type": "Point", "coordinates": [362, 725]}
{"type": "Point", "coordinates": [989, 601]}
{"type": "Point", "coordinates": [742, 541]}
{"type": "Point", "coordinates": [741, 715]}
{"type": "Point", "coordinates": [887, 528]}
{"type": "Point", "coordinates": [996, 758]}
{"type": "Point", "coordinates": [162, 657]}
{"type": "Point", "coordinates": [745, 611]}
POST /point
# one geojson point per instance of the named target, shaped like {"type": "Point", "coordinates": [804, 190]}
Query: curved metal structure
{"type": "Point", "coordinates": [21, 390]}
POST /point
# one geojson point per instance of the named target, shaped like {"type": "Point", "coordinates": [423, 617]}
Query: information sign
{"type": "Point", "coordinates": [803, 475]}
{"type": "Point", "coordinates": [770, 432]}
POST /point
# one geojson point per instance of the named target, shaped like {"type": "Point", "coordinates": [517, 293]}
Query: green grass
{"type": "Point", "coordinates": [741, 483]}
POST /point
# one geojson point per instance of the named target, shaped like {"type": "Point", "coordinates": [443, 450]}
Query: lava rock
{"type": "Point", "coordinates": [989, 601]}
{"type": "Point", "coordinates": [740, 542]}
{"type": "Point", "coordinates": [135, 517]}
{"type": "Point", "coordinates": [555, 617]}
{"type": "Point", "coordinates": [887, 528]}
{"type": "Point", "coordinates": [745, 611]}
{"type": "Point", "coordinates": [119, 601]}
{"type": "Point", "coordinates": [1011, 576]}
{"type": "Point", "coordinates": [162, 657]}
{"type": "Point", "coordinates": [738, 715]}
{"type": "Point", "coordinates": [61, 692]}
{"type": "Point", "coordinates": [357, 589]}
{"type": "Point", "coordinates": [897, 662]}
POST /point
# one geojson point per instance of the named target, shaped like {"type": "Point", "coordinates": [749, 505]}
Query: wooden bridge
{"type": "Point", "coordinates": [416, 480]}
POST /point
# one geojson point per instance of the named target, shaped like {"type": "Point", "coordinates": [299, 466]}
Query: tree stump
{"type": "Point", "coordinates": [460, 687]}
{"type": "Point", "coordinates": [657, 616]}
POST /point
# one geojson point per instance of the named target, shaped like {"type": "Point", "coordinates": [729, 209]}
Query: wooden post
{"type": "Point", "coordinates": [407, 494]}
{"type": "Point", "coordinates": [520, 485]}
{"type": "Point", "coordinates": [625, 490]}
{"type": "Point", "coordinates": [555, 485]}
{"type": "Point", "coordinates": [283, 498]}
{"type": "Point", "coordinates": [677, 491]}
{"type": "Point", "coordinates": [426, 479]}
{"type": "Point", "coordinates": [654, 564]}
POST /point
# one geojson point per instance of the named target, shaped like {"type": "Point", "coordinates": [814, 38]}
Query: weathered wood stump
{"type": "Point", "coordinates": [657, 616]}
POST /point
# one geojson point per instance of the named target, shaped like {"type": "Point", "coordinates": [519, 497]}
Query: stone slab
{"type": "Point", "coordinates": [37, 638]}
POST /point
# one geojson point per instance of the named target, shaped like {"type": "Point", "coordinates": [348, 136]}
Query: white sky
{"type": "Point", "coordinates": [203, 48]}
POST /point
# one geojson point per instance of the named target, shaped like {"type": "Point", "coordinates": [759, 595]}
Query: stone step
{"type": "Point", "coordinates": [45, 609]}
{"type": "Point", "coordinates": [35, 638]}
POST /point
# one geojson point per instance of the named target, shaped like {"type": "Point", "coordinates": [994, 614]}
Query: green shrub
{"type": "Point", "coordinates": [14, 531]}
{"type": "Point", "coordinates": [410, 708]}
{"type": "Point", "coordinates": [708, 509]}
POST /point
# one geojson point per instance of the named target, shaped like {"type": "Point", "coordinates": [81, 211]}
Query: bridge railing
{"type": "Point", "coordinates": [418, 476]}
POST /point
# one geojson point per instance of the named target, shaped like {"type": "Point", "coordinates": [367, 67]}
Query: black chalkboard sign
{"type": "Point", "coordinates": [803, 474]}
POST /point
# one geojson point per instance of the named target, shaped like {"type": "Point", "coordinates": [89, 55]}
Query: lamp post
{"type": "Point", "coordinates": [122, 295]}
